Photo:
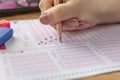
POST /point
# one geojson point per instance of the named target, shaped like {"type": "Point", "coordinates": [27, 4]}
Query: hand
{"type": "Point", "coordinates": [80, 14]}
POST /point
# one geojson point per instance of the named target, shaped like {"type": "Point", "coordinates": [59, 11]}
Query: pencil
{"type": "Point", "coordinates": [59, 25]}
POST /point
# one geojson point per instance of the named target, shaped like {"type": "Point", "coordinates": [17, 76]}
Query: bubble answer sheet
{"type": "Point", "coordinates": [35, 53]}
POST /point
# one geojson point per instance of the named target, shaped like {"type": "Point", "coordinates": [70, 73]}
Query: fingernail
{"type": "Point", "coordinates": [44, 19]}
{"type": "Point", "coordinates": [84, 26]}
{"type": "Point", "coordinates": [73, 24]}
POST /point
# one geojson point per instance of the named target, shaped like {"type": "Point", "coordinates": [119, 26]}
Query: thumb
{"type": "Point", "coordinates": [58, 13]}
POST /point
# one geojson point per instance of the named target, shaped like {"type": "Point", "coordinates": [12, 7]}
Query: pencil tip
{"type": "Point", "coordinates": [60, 40]}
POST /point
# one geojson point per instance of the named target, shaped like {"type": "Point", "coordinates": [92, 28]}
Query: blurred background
{"type": "Point", "coordinates": [13, 7]}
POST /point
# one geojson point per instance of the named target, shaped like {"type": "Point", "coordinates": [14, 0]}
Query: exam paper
{"type": "Point", "coordinates": [35, 53]}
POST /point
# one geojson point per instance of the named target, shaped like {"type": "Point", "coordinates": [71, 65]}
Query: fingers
{"type": "Point", "coordinates": [74, 24]}
{"type": "Point", "coordinates": [45, 4]}
{"type": "Point", "coordinates": [83, 25]}
{"type": "Point", "coordinates": [58, 13]}
{"type": "Point", "coordinates": [67, 13]}
{"type": "Point", "coordinates": [70, 24]}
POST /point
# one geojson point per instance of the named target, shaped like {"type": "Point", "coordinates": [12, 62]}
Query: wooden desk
{"type": "Point", "coordinates": [23, 16]}
{"type": "Point", "coordinates": [109, 76]}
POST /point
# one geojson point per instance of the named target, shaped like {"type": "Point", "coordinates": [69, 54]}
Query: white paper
{"type": "Point", "coordinates": [35, 53]}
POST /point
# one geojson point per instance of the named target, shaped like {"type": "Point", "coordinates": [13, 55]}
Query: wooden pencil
{"type": "Point", "coordinates": [59, 25]}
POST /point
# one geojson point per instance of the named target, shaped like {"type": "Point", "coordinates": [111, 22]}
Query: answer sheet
{"type": "Point", "coordinates": [35, 53]}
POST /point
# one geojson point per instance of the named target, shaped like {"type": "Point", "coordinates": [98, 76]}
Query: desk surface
{"type": "Point", "coordinates": [109, 76]}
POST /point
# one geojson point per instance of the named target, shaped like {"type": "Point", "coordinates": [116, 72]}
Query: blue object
{"type": "Point", "coordinates": [5, 35]}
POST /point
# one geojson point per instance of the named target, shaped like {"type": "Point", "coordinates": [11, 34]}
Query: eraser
{"type": "Point", "coordinates": [5, 35]}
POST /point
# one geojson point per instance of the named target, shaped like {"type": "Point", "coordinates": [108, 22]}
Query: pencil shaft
{"type": "Point", "coordinates": [59, 25]}
{"type": "Point", "coordinates": [56, 2]}
{"type": "Point", "coordinates": [59, 30]}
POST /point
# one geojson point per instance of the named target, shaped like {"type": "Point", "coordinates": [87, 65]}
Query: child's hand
{"type": "Point", "coordinates": [80, 14]}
